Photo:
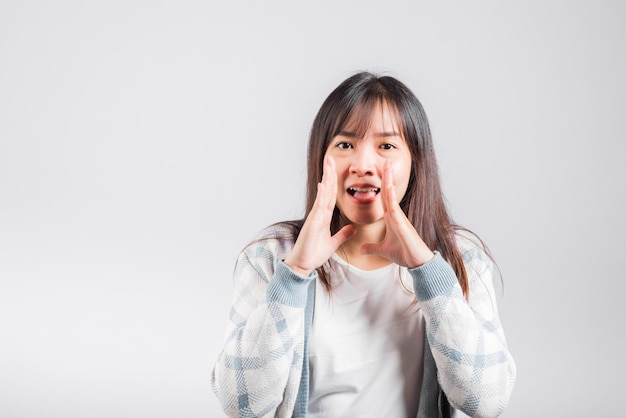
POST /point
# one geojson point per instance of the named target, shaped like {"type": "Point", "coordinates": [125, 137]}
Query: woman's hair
{"type": "Point", "coordinates": [353, 101]}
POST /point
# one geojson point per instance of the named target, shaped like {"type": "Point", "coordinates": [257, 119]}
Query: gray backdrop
{"type": "Point", "coordinates": [144, 143]}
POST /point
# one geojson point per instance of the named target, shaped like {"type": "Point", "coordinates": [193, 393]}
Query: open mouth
{"type": "Point", "coordinates": [363, 192]}
{"type": "Point", "coordinates": [355, 190]}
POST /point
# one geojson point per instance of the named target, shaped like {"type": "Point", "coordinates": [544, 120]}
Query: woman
{"type": "Point", "coordinates": [375, 303]}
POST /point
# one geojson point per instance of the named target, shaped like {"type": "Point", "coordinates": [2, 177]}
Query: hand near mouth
{"type": "Point", "coordinates": [315, 245]}
{"type": "Point", "coordinates": [402, 244]}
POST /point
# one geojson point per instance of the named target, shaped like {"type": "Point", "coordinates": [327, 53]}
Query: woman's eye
{"type": "Point", "coordinates": [344, 145]}
{"type": "Point", "coordinates": [387, 146]}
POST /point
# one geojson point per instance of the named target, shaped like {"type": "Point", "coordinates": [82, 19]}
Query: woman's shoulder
{"type": "Point", "coordinates": [280, 231]}
{"type": "Point", "coordinates": [473, 250]}
{"type": "Point", "coordinates": [481, 270]}
{"type": "Point", "coordinates": [272, 243]}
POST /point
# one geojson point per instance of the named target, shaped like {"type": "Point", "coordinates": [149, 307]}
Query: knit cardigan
{"type": "Point", "coordinates": [263, 369]}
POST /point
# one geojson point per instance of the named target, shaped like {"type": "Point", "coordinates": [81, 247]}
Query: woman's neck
{"type": "Point", "coordinates": [350, 251]}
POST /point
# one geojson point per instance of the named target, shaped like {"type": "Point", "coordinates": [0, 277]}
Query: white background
{"type": "Point", "coordinates": [144, 143]}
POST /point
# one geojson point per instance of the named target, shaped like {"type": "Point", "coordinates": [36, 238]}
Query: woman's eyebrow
{"type": "Point", "coordinates": [349, 134]}
{"type": "Point", "coordinates": [387, 134]}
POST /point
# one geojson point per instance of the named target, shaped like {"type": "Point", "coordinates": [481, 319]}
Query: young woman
{"type": "Point", "coordinates": [375, 304]}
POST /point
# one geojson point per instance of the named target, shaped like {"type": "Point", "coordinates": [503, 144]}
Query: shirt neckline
{"type": "Point", "coordinates": [374, 272]}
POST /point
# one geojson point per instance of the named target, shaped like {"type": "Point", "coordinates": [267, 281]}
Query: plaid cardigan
{"type": "Point", "coordinates": [263, 371]}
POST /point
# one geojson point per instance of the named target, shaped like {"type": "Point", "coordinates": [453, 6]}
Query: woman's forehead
{"type": "Point", "coordinates": [381, 117]}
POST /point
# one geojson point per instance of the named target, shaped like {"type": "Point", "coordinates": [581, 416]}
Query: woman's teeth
{"type": "Point", "coordinates": [355, 190]}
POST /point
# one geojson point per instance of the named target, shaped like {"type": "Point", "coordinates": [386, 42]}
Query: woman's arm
{"type": "Point", "coordinates": [475, 369]}
{"type": "Point", "coordinates": [260, 368]}
{"type": "Point", "coordinates": [258, 371]}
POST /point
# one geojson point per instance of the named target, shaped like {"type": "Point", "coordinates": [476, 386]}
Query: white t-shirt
{"type": "Point", "coordinates": [366, 344]}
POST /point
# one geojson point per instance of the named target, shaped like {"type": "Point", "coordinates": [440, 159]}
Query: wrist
{"type": "Point", "coordinates": [422, 259]}
{"type": "Point", "coordinates": [299, 271]}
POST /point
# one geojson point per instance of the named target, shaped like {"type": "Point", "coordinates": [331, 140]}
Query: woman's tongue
{"type": "Point", "coordinates": [366, 193]}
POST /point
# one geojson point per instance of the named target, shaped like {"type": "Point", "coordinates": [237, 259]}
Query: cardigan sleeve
{"type": "Point", "coordinates": [474, 367]}
{"type": "Point", "coordinates": [258, 371]}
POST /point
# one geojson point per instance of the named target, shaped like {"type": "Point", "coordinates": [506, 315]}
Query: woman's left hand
{"type": "Point", "coordinates": [402, 244]}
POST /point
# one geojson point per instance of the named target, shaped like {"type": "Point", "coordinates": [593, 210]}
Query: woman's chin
{"type": "Point", "coordinates": [363, 219]}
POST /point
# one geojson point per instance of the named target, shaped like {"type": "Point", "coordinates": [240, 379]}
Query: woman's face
{"type": "Point", "coordinates": [360, 165]}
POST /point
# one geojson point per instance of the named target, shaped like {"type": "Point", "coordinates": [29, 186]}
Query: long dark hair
{"type": "Point", "coordinates": [423, 203]}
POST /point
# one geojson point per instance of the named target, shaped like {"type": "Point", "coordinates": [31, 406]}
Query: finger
{"type": "Point", "coordinates": [387, 192]}
{"type": "Point", "coordinates": [343, 235]}
{"type": "Point", "coordinates": [325, 198]}
{"type": "Point", "coordinates": [319, 206]}
{"type": "Point", "coordinates": [370, 249]}
{"type": "Point", "coordinates": [383, 187]}
{"type": "Point", "coordinates": [318, 209]}
{"type": "Point", "coordinates": [325, 170]}
{"type": "Point", "coordinates": [330, 171]}
{"type": "Point", "coordinates": [393, 206]}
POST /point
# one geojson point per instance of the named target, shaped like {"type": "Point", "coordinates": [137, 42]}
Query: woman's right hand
{"type": "Point", "coordinates": [315, 244]}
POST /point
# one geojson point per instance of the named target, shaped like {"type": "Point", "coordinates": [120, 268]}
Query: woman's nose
{"type": "Point", "coordinates": [363, 162]}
